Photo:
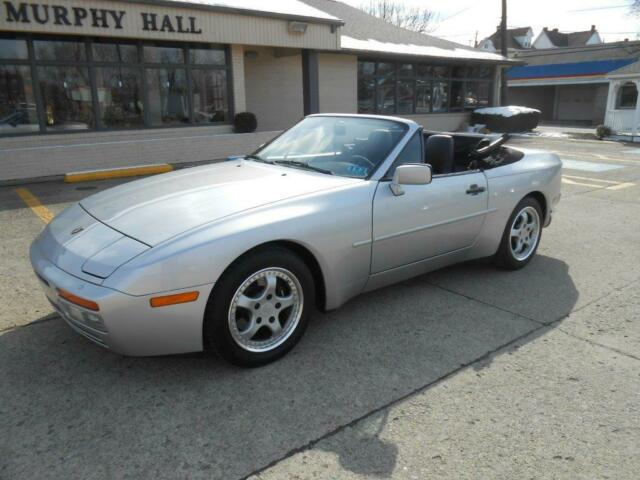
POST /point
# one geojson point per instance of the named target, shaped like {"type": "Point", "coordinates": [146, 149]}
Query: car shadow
{"type": "Point", "coordinates": [71, 409]}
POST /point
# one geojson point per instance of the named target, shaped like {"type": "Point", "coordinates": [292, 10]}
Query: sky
{"type": "Point", "coordinates": [461, 19]}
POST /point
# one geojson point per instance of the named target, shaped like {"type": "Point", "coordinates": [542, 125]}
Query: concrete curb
{"type": "Point", "coordinates": [110, 173]}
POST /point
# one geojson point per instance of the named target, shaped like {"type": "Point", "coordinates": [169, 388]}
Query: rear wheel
{"type": "Point", "coordinates": [260, 307]}
{"type": "Point", "coordinates": [521, 236]}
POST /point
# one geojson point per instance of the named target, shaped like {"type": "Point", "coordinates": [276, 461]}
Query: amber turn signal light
{"type": "Point", "coordinates": [174, 299]}
{"type": "Point", "coordinates": [82, 302]}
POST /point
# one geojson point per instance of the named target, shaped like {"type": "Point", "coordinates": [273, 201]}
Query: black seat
{"type": "Point", "coordinates": [379, 143]}
{"type": "Point", "coordinates": [438, 152]}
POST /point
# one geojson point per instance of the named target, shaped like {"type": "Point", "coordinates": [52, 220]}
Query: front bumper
{"type": "Point", "coordinates": [125, 324]}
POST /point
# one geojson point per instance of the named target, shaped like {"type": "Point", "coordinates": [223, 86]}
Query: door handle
{"type": "Point", "coordinates": [475, 189]}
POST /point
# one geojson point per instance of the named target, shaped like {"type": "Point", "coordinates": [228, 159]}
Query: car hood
{"type": "Point", "coordinates": [157, 208]}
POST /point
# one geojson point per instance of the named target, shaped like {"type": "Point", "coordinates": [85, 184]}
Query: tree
{"type": "Point", "coordinates": [635, 7]}
{"type": "Point", "coordinates": [418, 19]}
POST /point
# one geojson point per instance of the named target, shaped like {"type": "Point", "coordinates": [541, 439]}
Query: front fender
{"type": "Point", "coordinates": [333, 225]}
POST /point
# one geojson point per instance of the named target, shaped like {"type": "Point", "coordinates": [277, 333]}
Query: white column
{"type": "Point", "coordinates": [636, 116]}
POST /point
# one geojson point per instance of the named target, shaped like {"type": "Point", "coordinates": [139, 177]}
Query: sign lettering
{"type": "Point", "coordinates": [102, 18]}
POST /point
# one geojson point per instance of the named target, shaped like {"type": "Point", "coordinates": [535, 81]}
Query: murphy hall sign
{"type": "Point", "coordinates": [98, 18]}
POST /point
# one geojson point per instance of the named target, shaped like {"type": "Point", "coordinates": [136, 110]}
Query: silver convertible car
{"type": "Point", "coordinates": [234, 256]}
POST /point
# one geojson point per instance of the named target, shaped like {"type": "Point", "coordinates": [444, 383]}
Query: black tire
{"type": "Point", "coordinates": [504, 257]}
{"type": "Point", "coordinates": [217, 332]}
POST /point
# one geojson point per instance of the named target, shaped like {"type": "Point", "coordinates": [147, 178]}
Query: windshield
{"type": "Point", "coordinates": [344, 146]}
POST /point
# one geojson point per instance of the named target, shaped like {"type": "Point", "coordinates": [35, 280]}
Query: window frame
{"type": "Point", "coordinates": [618, 105]}
{"type": "Point", "coordinates": [141, 65]}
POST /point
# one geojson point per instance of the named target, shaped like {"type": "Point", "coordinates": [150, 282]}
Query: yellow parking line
{"type": "Point", "coordinates": [593, 179]}
{"type": "Point", "coordinates": [42, 212]}
{"type": "Point", "coordinates": [620, 186]}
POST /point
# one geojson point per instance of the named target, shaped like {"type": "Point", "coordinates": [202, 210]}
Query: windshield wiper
{"type": "Point", "coordinates": [258, 159]}
{"type": "Point", "coordinates": [295, 163]}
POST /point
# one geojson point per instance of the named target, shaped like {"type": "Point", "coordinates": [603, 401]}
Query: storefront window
{"type": "Point", "coordinates": [366, 95]}
{"type": "Point", "coordinates": [115, 53]}
{"type": "Point", "coordinates": [100, 83]}
{"type": "Point", "coordinates": [66, 95]}
{"type": "Point", "coordinates": [457, 95]}
{"type": "Point", "coordinates": [13, 48]}
{"type": "Point", "coordinates": [203, 56]}
{"type": "Point", "coordinates": [120, 100]}
{"type": "Point", "coordinates": [406, 96]}
{"type": "Point", "coordinates": [17, 102]}
{"type": "Point", "coordinates": [423, 96]}
{"type": "Point", "coordinates": [386, 98]}
{"type": "Point", "coordinates": [421, 88]}
{"type": "Point", "coordinates": [440, 98]}
{"type": "Point", "coordinates": [61, 51]}
{"type": "Point", "coordinates": [153, 54]}
{"type": "Point", "coordinates": [209, 89]}
{"type": "Point", "coordinates": [167, 90]}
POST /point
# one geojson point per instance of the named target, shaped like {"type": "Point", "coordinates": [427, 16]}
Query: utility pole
{"type": "Point", "coordinates": [505, 52]}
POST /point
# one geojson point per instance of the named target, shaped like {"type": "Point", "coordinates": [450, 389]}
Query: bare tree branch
{"type": "Point", "coordinates": [635, 7]}
{"type": "Point", "coordinates": [418, 19]}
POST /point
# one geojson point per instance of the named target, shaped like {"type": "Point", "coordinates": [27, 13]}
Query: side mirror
{"type": "Point", "coordinates": [410, 174]}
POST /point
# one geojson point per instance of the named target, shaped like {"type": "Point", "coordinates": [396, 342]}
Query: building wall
{"type": "Point", "coordinates": [540, 98]}
{"type": "Point", "coordinates": [46, 155]}
{"type": "Point", "coordinates": [445, 122]}
{"type": "Point", "coordinates": [338, 80]}
{"type": "Point", "coordinates": [273, 86]}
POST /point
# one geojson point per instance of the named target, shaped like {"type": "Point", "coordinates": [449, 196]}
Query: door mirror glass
{"type": "Point", "coordinates": [410, 174]}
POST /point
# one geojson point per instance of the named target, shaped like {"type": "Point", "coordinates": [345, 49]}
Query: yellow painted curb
{"type": "Point", "coordinates": [107, 174]}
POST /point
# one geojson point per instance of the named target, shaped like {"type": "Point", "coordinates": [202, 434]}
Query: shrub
{"type": "Point", "coordinates": [245, 122]}
{"type": "Point", "coordinates": [603, 131]}
{"type": "Point", "coordinates": [509, 119]}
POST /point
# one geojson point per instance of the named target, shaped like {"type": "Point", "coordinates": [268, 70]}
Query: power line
{"type": "Point", "coordinates": [611, 7]}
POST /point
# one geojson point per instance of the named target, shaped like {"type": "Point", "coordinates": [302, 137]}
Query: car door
{"type": "Point", "coordinates": [428, 220]}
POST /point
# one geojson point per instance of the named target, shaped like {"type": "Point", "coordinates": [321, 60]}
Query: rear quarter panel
{"type": "Point", "coordinates": [537, 171]}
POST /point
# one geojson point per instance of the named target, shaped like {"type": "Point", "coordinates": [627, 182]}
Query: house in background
{"type": "Point", "coordinates": [556, 39]}
{"type": "Point", "coordinates": [569, 84]}
{"type": "Point", "coordinates": [517, 39]}
{"type": "Point", "coordinates": [623, 107]}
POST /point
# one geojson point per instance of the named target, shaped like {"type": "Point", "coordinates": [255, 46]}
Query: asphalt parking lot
{"type": "Point", "coordinates": [468, 372]}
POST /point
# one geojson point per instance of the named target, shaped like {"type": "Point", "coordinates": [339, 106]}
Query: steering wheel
{"type": "Point", "coordinates": [485, 151]}
{"type": "Point", "coordinates": [360, 158]}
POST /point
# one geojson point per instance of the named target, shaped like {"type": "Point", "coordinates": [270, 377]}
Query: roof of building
{"type": "Point", "coordinates": [630, 69]}
{"type": "Point", "coordinates": [569, 39]}
{"type": "Point", "coordinates": [366, 34]}
{"type": "Point", "coordinates": [512, 42]}
{"type": "Point", "coordinates": [593, 60]}
{"type": "Point", "coordinates": [293, 9]}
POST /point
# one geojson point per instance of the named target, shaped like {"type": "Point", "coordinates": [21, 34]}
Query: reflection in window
{"type": "Point", "coordinates": [366, 95]}
{"type": "Point", "coordinates": [423, 96]}
{"type": "Point", "coordinates": [457, 95]}
{"type": "Point", "coordinates": [440, 99]}
{"type": "Point", "coordinates": [64, 51]}
{"type": "Point", "coordinates": [163, 54]}
{"type": "Point", "coordinates": [115, 53]}
{"type": "Point", "coordinates": [167, 93]}
{"type": "Point", "coordinates": [476, 95]}
{"type": "Point", "coordinates": [627, 96]}
{"type": "Point", "coordinates": [119, 93]}
{"type": "Point", "coordinates": [204, 56]}
{"type": "Point", "coordinates": [11, 48]}
{"type": "Point", "coordinates": [17, 103]}
{"type": "Point", "coordinates": [406, 94]}
{"type": "Point", "coordinates": [386, 101]}
{"type": "Point", "coordinates": [66, 95]}
{"type": "Point", "coordinates": [209, 88]}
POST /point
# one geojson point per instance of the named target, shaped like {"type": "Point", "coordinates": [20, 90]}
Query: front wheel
{"type": "Point", "coordinates": [521, 236]}
{"type": "Point", "coordinates": [260, 307]}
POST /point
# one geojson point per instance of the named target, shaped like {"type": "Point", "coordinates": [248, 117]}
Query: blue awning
{"type": "Point", "coordinates": [580, 69]}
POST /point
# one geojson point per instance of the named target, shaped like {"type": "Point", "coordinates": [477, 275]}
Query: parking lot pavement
{"type": "Point", "coordinates": [468, 372]}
